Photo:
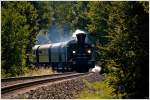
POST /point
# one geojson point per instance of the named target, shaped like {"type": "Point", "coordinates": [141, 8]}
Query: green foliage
{"type": "Point", "coordinates": [126, 55]}
{"type": "Point", "coordinates": [99, 90]}
{"type": "Point", "coordinates": [145, 6]}
{"type": "Point", "coordinates": [14, 35]}
{"type": "Point", "coordinates": [4, 74]}
{"type": "Point", "coordinates": [20, 26]}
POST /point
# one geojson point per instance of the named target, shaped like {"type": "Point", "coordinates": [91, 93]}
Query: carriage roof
{"type": "Point", "coordinates": [51, 45]}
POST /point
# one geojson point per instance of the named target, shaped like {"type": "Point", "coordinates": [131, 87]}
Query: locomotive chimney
{"type": "Point", "coordinates": [81, 38]}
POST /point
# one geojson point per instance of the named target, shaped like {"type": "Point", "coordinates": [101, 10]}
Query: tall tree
{"type": "Point", "coordinates": [21, 22]}
{"type": "Point", "coordinates": [126, 55]}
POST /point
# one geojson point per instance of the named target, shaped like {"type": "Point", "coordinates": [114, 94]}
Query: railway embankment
{"type": "Point", "coordinates": [65, 89]}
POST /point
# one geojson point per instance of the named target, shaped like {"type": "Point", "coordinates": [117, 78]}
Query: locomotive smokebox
{"type": "Point", "coordinates": [81, 38]}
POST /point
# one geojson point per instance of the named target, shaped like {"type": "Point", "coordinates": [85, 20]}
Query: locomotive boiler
{"type": "Point", "coordinates": [74, 55]}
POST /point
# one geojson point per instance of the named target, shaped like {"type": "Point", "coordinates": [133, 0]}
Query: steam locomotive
{"type": "Point", "coordinates": [74, 55]}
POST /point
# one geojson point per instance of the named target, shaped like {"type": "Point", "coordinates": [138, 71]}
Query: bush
{"type": "Point", "coordinates": [99, 90]}
{"type": "Point", "coordinates": [4, 74]}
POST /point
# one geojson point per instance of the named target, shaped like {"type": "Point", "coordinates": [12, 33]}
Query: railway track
{"type": "Point", "coordinates": [12, 85]}
{"type": "Point", "coordinates": [14, 80]}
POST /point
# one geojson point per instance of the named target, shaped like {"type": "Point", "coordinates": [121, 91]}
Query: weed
{"type": "Point", "coordinates": [98, 90]}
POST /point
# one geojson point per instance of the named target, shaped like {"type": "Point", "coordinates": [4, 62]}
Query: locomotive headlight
{"type": "Point", "coordinates": [89, 51]}
{"type": "Point", "coordinates": [73, 51]}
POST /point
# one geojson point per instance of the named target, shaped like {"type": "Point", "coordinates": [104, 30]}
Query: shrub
{"type": "Point", "coordinates": [99, 90]}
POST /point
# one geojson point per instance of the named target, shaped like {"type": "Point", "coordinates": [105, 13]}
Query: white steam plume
{"type": "Point", "coordinates": [96, 69]}
{"type": "Point", "coordinates": [77, 32]}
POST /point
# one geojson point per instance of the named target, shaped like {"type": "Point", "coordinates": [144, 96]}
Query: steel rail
{"type": "Point", "coordinates": [15, 80]}
{"type": "Point", "coordinates": [29, 77]}
{"type": "Point", "coordinates": [36, 82]}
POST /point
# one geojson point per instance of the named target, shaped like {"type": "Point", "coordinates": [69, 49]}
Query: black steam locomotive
{"type": "Point", "coordinates": [74, 55]}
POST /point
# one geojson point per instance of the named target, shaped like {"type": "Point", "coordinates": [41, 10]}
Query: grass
{"type": "Point", "coordinates": [33, 71]}
{"type": "Point", "coordinates": [98, 90]}
{"type": "Point", "coordinates": [3, 74]}
{"type": "Point", "coordinates": [38, 71]}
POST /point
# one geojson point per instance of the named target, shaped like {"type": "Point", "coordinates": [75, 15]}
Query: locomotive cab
{"type": "Point", "coordinates": [81, 54]}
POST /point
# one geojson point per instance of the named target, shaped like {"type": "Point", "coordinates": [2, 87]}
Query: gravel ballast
{"type": "Point", "coordinates": [67, 89]}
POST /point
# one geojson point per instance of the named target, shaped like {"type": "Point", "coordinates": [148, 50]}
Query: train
{"type": "Point", "coordinates": [74, 55]}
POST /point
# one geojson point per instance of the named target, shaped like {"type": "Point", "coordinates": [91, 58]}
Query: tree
{"type": "Point", "coordinates": [126, 55]}
{"type": "Point", "coordinates": [20, 25]}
